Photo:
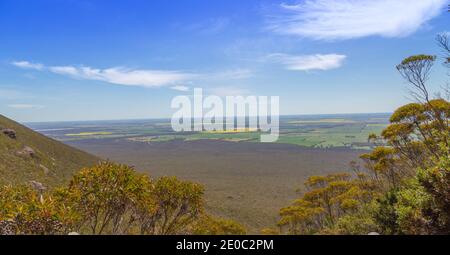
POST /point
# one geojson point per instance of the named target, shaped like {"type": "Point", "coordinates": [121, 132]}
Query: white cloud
{"type": "Point", "coordinates": [64, 70]}
{"type": "Point", "coordinates": [129, 77]}
{"type": "Point", "coordinates": [116, 75]}
{"type": "Point", "coordinates": [25, 106]}
{"type": "Point", "coordinates": [347, 19]}
{"type": "Point", "coordinates": [28, 65]}
{"type": "Point", "coordinates": [180, 88]}
{"type": "Point", "coordinates": [309, 62]}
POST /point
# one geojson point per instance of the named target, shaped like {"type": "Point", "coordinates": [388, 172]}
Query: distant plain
{"type": "Point", "coordinates": [244, 179]}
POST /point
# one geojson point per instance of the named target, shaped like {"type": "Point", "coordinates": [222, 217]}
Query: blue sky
{"type": "Point", "coordinates": [105, 59]}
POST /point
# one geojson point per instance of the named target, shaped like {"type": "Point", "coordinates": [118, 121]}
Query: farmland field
{"type": "Point", "coordinates": [319, 131]}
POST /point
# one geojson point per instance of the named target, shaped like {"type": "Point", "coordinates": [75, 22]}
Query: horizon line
{"type": "Point", "coordinates": [168, 118]}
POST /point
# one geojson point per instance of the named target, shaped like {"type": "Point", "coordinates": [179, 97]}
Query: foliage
{"type": "Point", "coordinates": [421, 206]}
{"type": "Point", "coordinates": [354, 224]}
{"type": "Point", "coordinates": [328, 199]}
{"type": "Point", "coordinates": [435, 182]}
{"type": "Point", "coordinates": [179, 204]}
{"type": "Point", "coordinates": [108, 199]}
{"type": "Point", "coordinates": [24, 210]}
{"type": "Point", "coordinates": [412, 141]}
{"type": "Point", "coordinates": [270, 231]}
{"type": "Point", "coordinates": [208, 225]}
{"type": "Point", "coordinates": [411, 199]}
{"type": "Point", "coordinates": [384, 213]}
{"type": "Point", "coordinates": [416, 70]}
{"type": "Point", "coordinates": [408, 187]}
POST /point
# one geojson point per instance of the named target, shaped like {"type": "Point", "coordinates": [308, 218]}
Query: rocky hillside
{"type": "Point", "coordinates": [27, 156]}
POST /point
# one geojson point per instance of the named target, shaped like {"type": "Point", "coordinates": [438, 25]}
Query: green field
{"type": "Point", "coordinates": [321, 131]}
{"type": "Point", "coordinates": [326, 133]}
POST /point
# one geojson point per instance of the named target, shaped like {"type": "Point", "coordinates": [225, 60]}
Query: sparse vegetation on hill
{"type": "Point", "coordinates": [27, 156]}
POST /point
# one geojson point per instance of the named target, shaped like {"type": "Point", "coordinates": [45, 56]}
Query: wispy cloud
{"type": "Point", "coordinates": [308, 62]}
{"type": "Point", "coordinates": [28, 65]}
{"type": "Point", "coordinates": [124, 76]}
{"type": "Point", "coordinates": [64, 70]}
{"type": "Point", "coordinates": [25, 106]}
{"type": "Point", "coordinates": [180, 88]}
{"type": "Point", "coordinates": [348, 19]}
{"type": "Point", "coordinates": [116, 75]}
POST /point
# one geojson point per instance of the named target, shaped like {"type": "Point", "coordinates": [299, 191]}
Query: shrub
{"type": "Point", "coordinates": [24, 210]}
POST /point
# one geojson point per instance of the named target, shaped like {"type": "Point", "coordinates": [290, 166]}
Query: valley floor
{"type": "Point", "coordinates": [248, 182]}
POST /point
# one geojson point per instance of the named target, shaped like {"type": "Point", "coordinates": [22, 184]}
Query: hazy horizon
{"type": "Point", "coordinates": [168, 118]}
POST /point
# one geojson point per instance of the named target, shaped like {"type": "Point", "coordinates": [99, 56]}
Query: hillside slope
{"type": "Point", "coordinates": [27, 156]}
